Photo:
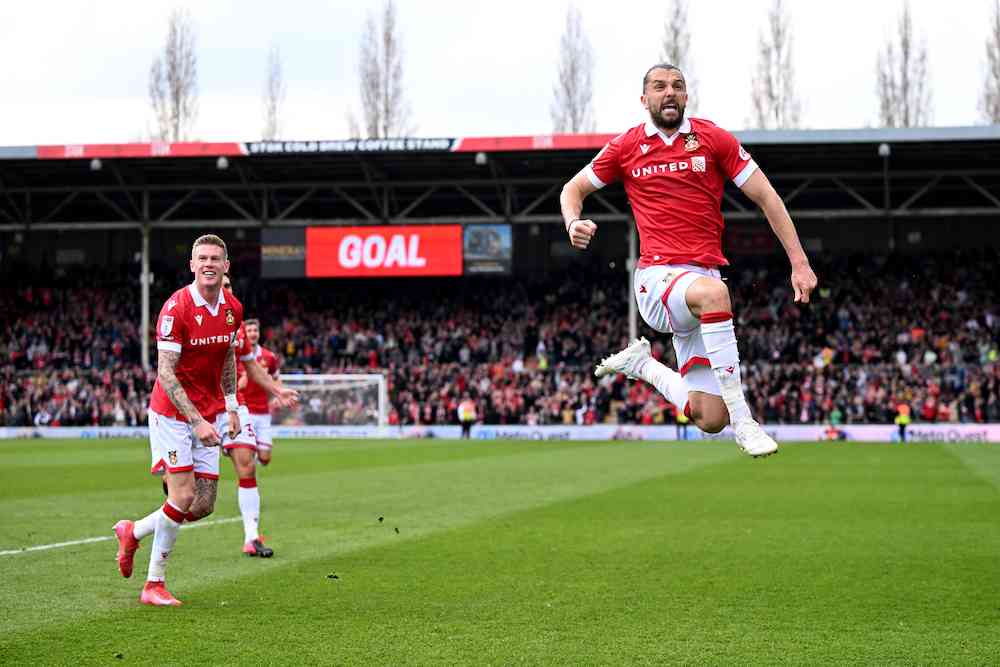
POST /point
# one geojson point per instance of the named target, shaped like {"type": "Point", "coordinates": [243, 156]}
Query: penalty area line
{"type": "Point", "coordinates": [108, 538]}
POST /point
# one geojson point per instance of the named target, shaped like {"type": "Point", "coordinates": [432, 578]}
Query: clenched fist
{"type": "Point", "coordinates": [580, 233]}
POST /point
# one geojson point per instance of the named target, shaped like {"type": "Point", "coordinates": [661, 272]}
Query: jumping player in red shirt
{"type": "Point", "coordinates": [192, 410]}
{"type": "Point", "coordinates": [674, 170]}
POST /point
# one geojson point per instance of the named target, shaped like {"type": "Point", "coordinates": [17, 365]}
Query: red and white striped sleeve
{"type": "Point", "coordinates": [734, 160]}
{"type": "Point", "coordinates": [606, 166]}
{"type": "Point", "coordinates": [171, 326]}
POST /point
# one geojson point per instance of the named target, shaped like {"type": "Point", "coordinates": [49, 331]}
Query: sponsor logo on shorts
{"type": "Point", "coordinates": [730, 369]}
{"type": "Point", "coordinates": [642, 289]}
{"type": "Point", "coordinates": [172, 455]}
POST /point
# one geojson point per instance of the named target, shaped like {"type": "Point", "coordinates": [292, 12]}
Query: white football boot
{"type": "Point", "coordinates": [628, 361]}
{"type": "Point", "coordinates": [753, 439]}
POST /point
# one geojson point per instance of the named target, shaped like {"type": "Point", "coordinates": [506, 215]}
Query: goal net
{"type": "Point", "coordinates": [328, 402]}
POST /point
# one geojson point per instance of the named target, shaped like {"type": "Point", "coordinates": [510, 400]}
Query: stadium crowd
{"type": "Point", "coordinates": [880, 331]}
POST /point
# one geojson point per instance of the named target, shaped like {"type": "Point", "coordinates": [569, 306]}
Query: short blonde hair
{"type": "Point", "coordinates": [210, 239]}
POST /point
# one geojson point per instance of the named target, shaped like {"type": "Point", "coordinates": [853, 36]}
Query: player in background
{"type": "Point", "coordinates": [256, 395]}
{"type": "Point", "coordinates": [466, 415]}
{"type": "Point", "coordinates": [674, 171]}
{"type": "Point", "coordinates": [242, 453]}
{"type": "Point", "coordinates": [192, 410]}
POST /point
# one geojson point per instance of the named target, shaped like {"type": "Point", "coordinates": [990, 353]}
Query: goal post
{"type": "Point", "coordinates": [358, 401]}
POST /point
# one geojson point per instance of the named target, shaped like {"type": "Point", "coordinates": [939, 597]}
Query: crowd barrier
{"type": "Point", "coordinates": [781, 432]}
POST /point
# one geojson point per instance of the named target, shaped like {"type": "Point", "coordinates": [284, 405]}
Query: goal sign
{"type": "Point", "coordinates": [417, 250]}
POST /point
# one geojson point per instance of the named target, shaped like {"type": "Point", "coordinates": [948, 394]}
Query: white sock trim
{"type": "Point", "coordinates": [720, 344]}
{"type": "Point", "coordinates": [163, 544]}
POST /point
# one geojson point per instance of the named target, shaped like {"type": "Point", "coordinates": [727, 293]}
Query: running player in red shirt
{"type": "Point", "coordinates": [192, 410]}
{"type": "Point", "coordinates": [674, 170]}
{"type": "Point", "coordinates": [242, 453]}
{"type": "Point", "coordinates": [256, 395]}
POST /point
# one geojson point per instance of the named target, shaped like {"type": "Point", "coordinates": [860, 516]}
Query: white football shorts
{"type": "Point", "coordinates": [246, 438]}
{"type": "Point", "coordinates": [262, 429]}
{"type": "Point", "coordinates": [175, 449]}
{"type": "Point", "coordinates": [659, 292]}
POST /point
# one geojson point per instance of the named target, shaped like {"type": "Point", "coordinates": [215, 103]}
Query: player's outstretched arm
{"type": "Point", "coordinates": [571, 202]}
{"type": "Point", "coordinates": [760, 190]}
{"type": "Point", "coordinates": [257, 373]}
{"type": "Point", "coordinates": [166, 365]}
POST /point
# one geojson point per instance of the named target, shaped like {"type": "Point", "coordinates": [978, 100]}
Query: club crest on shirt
{"type": "Point", "coordinates": [197, 318]}
{"type": "Point", "coordinates": [166, 325]}
{"type": "Point", "coordinates": [230, 318]}
{"type": "Point", "coordinates": [172, 455]}
{"type": "Point", "coordinates": [691, 142]}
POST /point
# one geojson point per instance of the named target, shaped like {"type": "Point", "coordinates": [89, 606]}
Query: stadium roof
{"type": "Point", "coordinates": [827, 174]}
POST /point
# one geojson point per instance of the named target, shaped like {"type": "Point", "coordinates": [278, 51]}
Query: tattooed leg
{"type": "Point", "coordinates": [205, 491]}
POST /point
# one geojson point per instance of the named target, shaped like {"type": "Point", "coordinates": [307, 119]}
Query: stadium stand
{"type": "Point", "coordinates": [917, 329]}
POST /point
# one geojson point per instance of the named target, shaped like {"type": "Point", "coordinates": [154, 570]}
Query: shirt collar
{"type": "Point", "coordinates": [669, 140]}
{"type": "Point", "coordinates": [199, 300]}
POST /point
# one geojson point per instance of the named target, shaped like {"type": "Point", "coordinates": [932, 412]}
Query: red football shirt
{"type": "Point", "coordinates": [244, 353]}
{"type": "Point", "coordinates": [255, 395]}
{"type": "Point", "coordinates": [203, 337]}
{"type": "Point", "coordinates": [674, 184]}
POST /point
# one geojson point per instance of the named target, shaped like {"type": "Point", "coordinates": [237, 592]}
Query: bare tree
{"type": "Point", "coordinates": [989, 103]}
{"type": "Point", "coordinates": [676, 48]}
{"type": "Point", "coordinates": [173, 80]}
{"type": "Point", "coordinates": [571, 109]}
{"type": "Point", "coordinates": [775, 104]}
{"type": "Point", "coordinates": [274, 94]}
{"type": "Point", "coordinates": [384, 110]}
{"type": "Point", "coordinates": [904, 97]}
{"type": "Point", "coordinates": [353, 126]}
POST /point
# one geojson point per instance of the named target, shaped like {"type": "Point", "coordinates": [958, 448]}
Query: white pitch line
{"type": "Point", "coordinates": [91, 540]}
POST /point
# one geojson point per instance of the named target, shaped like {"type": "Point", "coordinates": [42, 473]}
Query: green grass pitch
{"type": "Point", "coordinates": [510, 553]}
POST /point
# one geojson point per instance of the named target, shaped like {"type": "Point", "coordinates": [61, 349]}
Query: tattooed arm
{"type": "Point", "coordinates": [229, 391]}
{"type": "Point", "coordinates": [229, 373]}
{"type": "Point", "coordinates": [166, 363]}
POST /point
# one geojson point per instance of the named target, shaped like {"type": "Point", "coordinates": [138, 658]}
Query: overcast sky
{"type": "Point", "coordinates": [76, 71]}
